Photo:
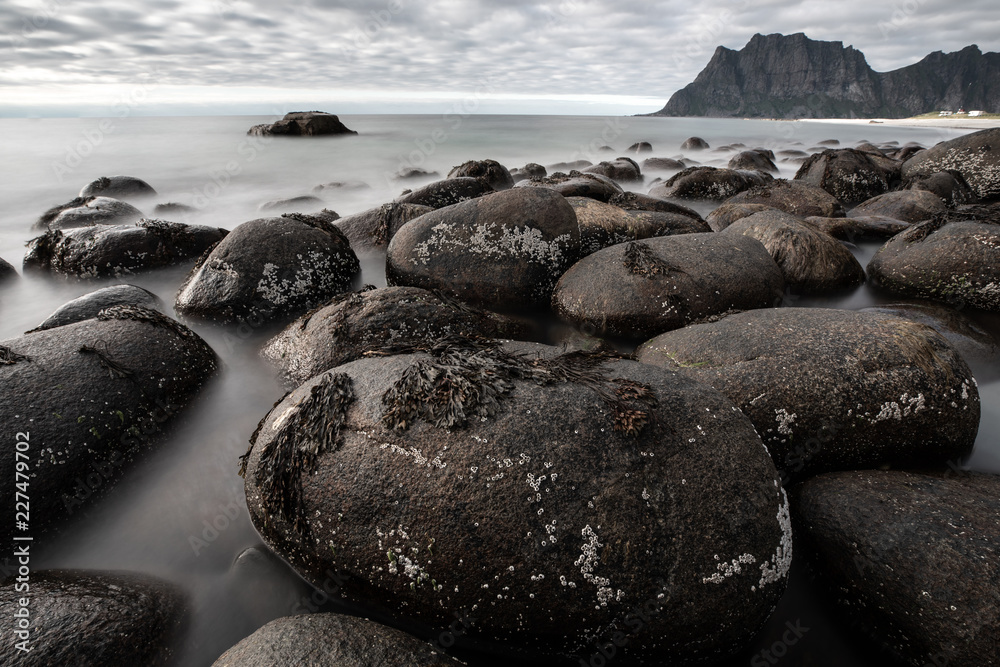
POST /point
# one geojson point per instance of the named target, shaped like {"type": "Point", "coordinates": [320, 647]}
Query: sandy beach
{"type": "Point", "coordinates": [962, 123]}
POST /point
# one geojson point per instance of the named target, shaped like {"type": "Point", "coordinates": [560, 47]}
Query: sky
{"type": "Point", "coordinates": [594, 57]}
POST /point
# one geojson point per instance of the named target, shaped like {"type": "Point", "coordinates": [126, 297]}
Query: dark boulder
{"type": "Point", "coordinates": [376, 319]}
{"type": "Point", "coordinates": [300, 204]}
{"type": "Point", "coordinates": [303, 124]}
{"type": "Point", "coordinates": [860, 227]}
{"type": "Point", "coordinates": [331, 640]}
{"type": "Point", "coordinates": [174, 208]}
{"type": "Point", "coordinates": [577, 184]}
{"type": "Point", "coordinates": [113, 251]}
{"type": "Point", "coordinates": [949, 185]}
{"type": "Point", "coordinates": [910, 559]}
{"type": "Point", "coordinates": [848, 174]}
{"type": "Point", "coordinates": [708, 183]}
{"type": "Point", "coordinates": [904, 153]}
{"type": "Point", "coordinates": [971, 155]}
{"type": "Point", "coordinates": [809, 259]}
{"type": "Point", "coordinates": [569, 166]}
{"type": "Point", "coordinates": [647, 287]}
{"type": "Point", "coordinates": [118, 187]}
{"type": "Point", "coordinates": [93, 396]}
{"type": "Point", "coordinates": [414, 173]}
{"type": "Point", "coordinates": [829, 142]}
{"type": "Point", "coordinates": [513, 481]}
{"type": "Point", "coordinates": [623, 169]}
{"type": "Point", "coordinates": [490, 171]}
{"type": "Point", "coordinates": [635, 201]}
{"type": "Point", "coordinates": [694, 144]}
{"type": "Point", "coordinates": [342, 186]}
{"type": "Point", "coordinates": [7, 272]}
{"type": "Point", "coordinates": [87, 212]}
{"type": "Point", "coordinates": [446, 193]}
{"type": "Point", "coordinates": [662, 164]}
{"type": "Point", "coordinates": [603, 225]}
{"type": "Point", "coordinates": [92, 618]}
{"type": "Point", "coordinates": [373, 228]}
{"type": "Point", "coordinates": [905, 205]}
{"type": "Point", "coordinates": [833, 389]}
{"type": "Point", "coordinates": [90, 305]}
{"type": "Point", "coordinates": [753, 160]}
{"type": "Point", "coordinates": [269, 269]}
{"type": "Point", "coordinates": [793, 197]}
{"type": "Point", "coordinates": [955, 262]}
{"type": "Point", "coordinates": [728, 213]}
{"type": "Point", "coordinates": [528, 171]}
{"type": "Point", "coordinates": [502, 252]}
{"type": "Point", "coordinates": [640, 147]}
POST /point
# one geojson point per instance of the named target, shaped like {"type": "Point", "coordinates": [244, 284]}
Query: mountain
{"type": "Point", "coordinates": [792, 76]}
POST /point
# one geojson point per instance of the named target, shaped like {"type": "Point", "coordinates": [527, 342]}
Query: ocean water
{"type": "Point", "coordinates": [180, 513]}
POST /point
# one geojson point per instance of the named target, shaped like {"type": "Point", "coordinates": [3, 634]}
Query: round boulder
{"type": "Point", "coordinates": [303, 124]}
{"type": "Point", "coordinates": [949, 185]}
{"type": "Point", "coordinates": [7, 271]}
{"type": "Point", "coordinates": [373, 228]}
{"type": "Point", "coordinates": [971, 155]}
{"type": "Point", "coordinates": [859, 227]}
{"type": "Point", "coordinates": [490, 171]}
{"type": "Point", "coordinates": [793, 197]}
{"type": "Point", "coordinates": [848, 174]}
{"type": "Point", "coordinates": [833, 389]}
{"type": "Point", "coordinates": [623, 169]}
{"type": "Point", "coordinates": [90, 305]}
{"type": "Point", "coordinates": [635, 201]}
{"type": "Point", "coordinates": [695, 144]}
{"type": "Point", "coordinates": [729, 212]}
{"type": "Point", "coordinates": [118, 187]}
{"type": "Point", "coordinates": [547, 495]}
{"type": "Point", "coordinates": [644, 288]}
{"type": "Point", "coordinates": [447, 192]}
{"type": "Point", "coordinates": [753, 160]}
{"type": "Point", "coordinates": [708, 183]}
{"type": "Point", "coordinates": [530, 170]}
{"type": "Point", "coordinates": [87, 212]}
{"type": "Point", "coordinates": [577, 184]}
{"type": "Point", "coordinates": [269, 269]}
{"type": "Point", "coordinates": [603, 225]}
{"type": "Point", "coordinates": [906, 205]}
{"type": "Point", "coordinates": [640, 147]}
{"type": "Point", "coordinates": [302, 203]}
{"type": "Point", "coordinates": [502, 252]}
{"type": "Point", "coordinates": [662, 164]}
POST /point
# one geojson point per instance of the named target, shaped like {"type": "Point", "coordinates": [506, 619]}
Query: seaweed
{"type": "Point", "coordinates": [148, 315]}
{"type": "Point", "coordinates": [9, 357]}
{"type": "Point", "coordinates": [320, 224]}
{"type": "Point", "coordinates": [640, 260]}
{"type": "Point", "coordinates": [115, 370]}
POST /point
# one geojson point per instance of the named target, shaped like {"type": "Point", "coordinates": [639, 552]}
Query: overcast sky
{"type": "Point", "coordinates": [559, 56]}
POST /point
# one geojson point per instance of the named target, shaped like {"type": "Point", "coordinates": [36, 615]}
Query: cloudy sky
{"type": "Point", "coordinates": [74, 57]}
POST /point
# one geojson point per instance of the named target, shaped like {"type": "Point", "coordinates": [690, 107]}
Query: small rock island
{"type": "Point", "coordinates": [303, 124]}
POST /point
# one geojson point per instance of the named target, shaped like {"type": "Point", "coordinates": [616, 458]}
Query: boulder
{"type": "Point", "coordinates": [809, 259]}
{"type": "Point", "coordinates": [569, 166]}
{"type": "Point", "coordinates": [753, 160]}
{"type": "Point", "coordinates": [90, 305]}
{"type": "Point", "coordinates": [491, 171]}
{"type": "Point", "coordinates": [87, 212]}
{"type": "Point", "coordinates": [904, 153]}
{"type": "Point", "coordinates": [90, 397]}
{"type": "Point", "coordinates": [972, 155]}
{"type": "Point", "coordinates": [373, 228]}
{"type": "Point", "coordinates": [93, 618]}
{"type": "Point", "coordinates": [300, 204]}
{"type": "Point", "coordinates": [694, 144]}
{"type": "Point", "coordinates": [375, 319]}
{"type": "Point", "coordinates": [113, 251]}
{"type": "Point", "coordinates": [413, 173]}
{"type": "Point", "coordinates": [949, 185]}
{"type": "Point", "coordinates": [331, 640]}
{"type": "Point", "coordinates": [905, 205]}
{"type": "Point", "coordinates": [958, 262]}
{"type": "Point", "coordinates": [174, 208]}
{"type": "Point", "coordinates": [708, 183]}
{"type": "Point", "coordinates": [910, 559]}
{"type": "Point", "coordinates": [446, 193]}
{"type": "Point", "coordinates": [848, 174]}
{"type": "Point", "coordinates": [623, 169]}
{"type": "Point", "coordinates": [302, 124]}
{"type": "Point", "coordinates": [729, 212]}
{"type": "Point", "coordinates": [640, 147]}
{"type": "Point", "coordinates": [118, 187]}
{"type": "Point", "coordinates": [546, 495]}
{"type": "Point", "coordinates": [647, 287]}
{"type": "Point", "coordinates": [577, 184]}
{"type": "Point", "coordinates": [635, 201]}
{"type": "Point", "coordinates": [269, 269]}
{"type": "Point", "coordinates": [342, 186]}
{"type": "Point", "coordinates": [603, 225]}
{"type": "Point", "coordinates": [833, 389]}
{"type": "Point", "coordinates": [502, 252]}
{"type": "Point", "coordinates": [7, 272]}
{"type": "Point", "coordinates": [793, 197]}
{"type": "Point", "coordinates": [662, 164]}
{"type": "Point", "coordinates": [528, 171]}
{"type": "Point", "coordinates": [860, 227]}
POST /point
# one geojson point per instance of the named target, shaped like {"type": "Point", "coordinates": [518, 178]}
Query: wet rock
{"type": "Point", "coordinates": [446, 193]}
{"type": "Point", "coordinates": [793, 197]}
{"type": "Point", "coordinates": [7, 272]}
{"type": "Point", "coordinates": [546, 482]}
{"type": "Point", "coordinates": [949, 185]}
{"type": "Point", "coordinates": [848, 174]}
{"type": "Point", "coordinates": [809, 259]}
{"type": "Point", "coordinates": [910, 558]}
{"type": "Point", "coordinates": [373, 228]}
{"type": "Point", "coordinates": [412, 173]}
{"type": "Point", "coordinates": [972, 155]}
{"type": "Point", "coordinates": [87, 212]}
{"type": "Point", "coordinates": [905, 153]}
{"type": "Point", "coordinates": [303, 124]}
{"type": "Point", "coordinates": [622, 169]}
{"type": "Point", "coordinates": [93, 396]}
{"type": "Point", "coordinates": [174, 208]}
{"type": "Point", "coordinates": [662, 164]}
{"type": "Point", "coordinates": [113, 251]}
{"type": "Point", "coordinates": [640, 147]}
{"type": "Point", "coordinates": [577, 184]}
{"type": "Point", "coordinates": [728, 213]}
{"type": "Point", "coordinates": [90, 305]}
{"type": "Point", "coordinates": [833, 389]}
{"type": "Point", "coordinates": [269, 269]}
{"type": "Point", "coordinates": [829, 142]}
{"type": "Point", "coordinates": [603, 225]}
{"type": "Point", "coordinates": [708, 183]}
{"type": "Point", "coordinates": [860, 227]}
{"type": "Point", "coordinates": [906, 205]}
{"type": "Point", "coordinates": [377, 319]}
{"type": "Point", "coordinates": [304, 203]}
{"type": "Point", "coordinates": [331, 640]}
{"type": "Point", "coordinates": [502, 252]}
{"type": "Point", "coordinates": [490, 171]}
{"type": "Point", "coordinates": [569, 166]}
{"type": "Point", "coordinates": [695, 144]}
{"type": "Point", "coordinates": [93, 618]}
{"type": "Point", "coordinates": [792, 153]}
{"type": "Point", "coordinates": [342, 186]}
{"type": "Point", "coordinates": [647, 287]}
{"type": "Point", "coordinates": [753, 160]}
{"type": "Point", "coordinates": [118, 187]}
{"type": "Point", "coordinates": [530, 170]}
{"type": "Point", "coordinates": [635, 201]}
{"type": "Point", "coordinates": [958, 262]}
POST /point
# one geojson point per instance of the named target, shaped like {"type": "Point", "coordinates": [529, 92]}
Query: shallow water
{"type": "Point", "coordinates": [180, 513]}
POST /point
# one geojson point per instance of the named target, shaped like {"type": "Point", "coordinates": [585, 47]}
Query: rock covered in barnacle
{"type": "Point", "coordinates": [975, 156]}
{"type": "Point", "coordinates": [550, 493]}
{"type": "Point", "coordinates": [833, 389]}
{"type": "Point", "coordinates": [848, 174]}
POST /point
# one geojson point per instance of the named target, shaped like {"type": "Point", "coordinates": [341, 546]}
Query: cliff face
{"type": "Point", "coordinates": [778, 76]}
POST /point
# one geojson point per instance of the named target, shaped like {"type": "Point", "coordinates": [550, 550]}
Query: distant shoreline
{"type": "Point", "coordinates": [946, 121]}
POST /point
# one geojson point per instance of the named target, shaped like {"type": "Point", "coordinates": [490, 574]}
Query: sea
{"type": "Point", "coordinates": [180, 513]}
